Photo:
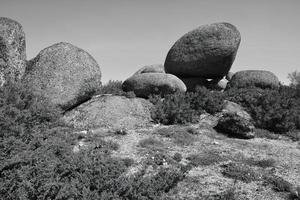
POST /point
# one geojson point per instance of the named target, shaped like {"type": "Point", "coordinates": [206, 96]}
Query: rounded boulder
{"type": "Point", "coordinates": [12, 50]}
{"type": "Point", "coordinates": [65, 74]}
{"type": "Point", "coordinates": [206, 52]}
{"type": "Point", "coordinates": [258, 78]}
{"type": "Point", "coordinates": [147, 84]}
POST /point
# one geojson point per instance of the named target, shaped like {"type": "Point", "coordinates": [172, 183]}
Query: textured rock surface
{"type": "Point", "coordinates": [207, 52]}
{"type": "Point", "coordinates": [258, 78]}
{"type": "Point", "coordinates": [63, 73]}
{"type": "Point", "coordinates": [12, 50]}
{"type": "Point", "coordinates": [235, 126]}
{"type": "Point", "coordinates": [105, 111]}
{"type": "Point", "coordinates": [234, 108]}
{"type": "Point", "coordinates": [157, 68]}
{"type": "Point", "coordinates": [146, 84]}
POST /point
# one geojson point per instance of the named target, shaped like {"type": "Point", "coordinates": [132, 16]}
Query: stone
{"type": "Point", "coordinates": [229, 76]}
{"type": "Point", "coordinates": [206, 52]}
{"type": "Point", "coordinates": [157, 68]}
{"type": "Point", "coordinates": [12, 50]}
{"type": "Point", "coordinates": [147, 84]}
{"type": "Point", "coordinates": [235, 126]}
{"type": "Point", "coordinates": [234, 108]}
{"type": "Point", "coordinates": [258, 78]}
{"type": "Point", "coordinates": [111, 112]}
{"type": "Point", "coordinates": [63, 73]}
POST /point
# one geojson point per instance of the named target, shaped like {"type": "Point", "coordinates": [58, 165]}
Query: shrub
{"type": "Point", "coordinates": [180, 108]}
{"type": "Point", "coordinates": [205, 159]}
{"type": "Point", "coordinates": [263, 163]}
{"type": "Point", "coordinates": [177, 157]}
{"type": "Point", "coordinates": [151, 143]}
{"type": "Point", "coordinates": [235, 126]}
{"type": "Point", "coordinates": [274, 110]}
{"type": "Point", "coordinates": [180, 135]}
{"type": "Point", "coordinates": [114, 88]}
{"type": "Point", "coordinates": [278, 183]}
{"type": "Point", "coordinates": [150, 187]}
{"type": "Point", "coordinates": [242, 172]}
{"type": "Point", "coordinates": [173, 109]}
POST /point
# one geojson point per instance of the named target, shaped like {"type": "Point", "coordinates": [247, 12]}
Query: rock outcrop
{"type": "Point", "coordinates": [12, 50]}
{"type": "Point", "coordinates": [113, 112]}
{"type": "Point", "coordinates": [206, 52]}
{"type": "Point", "coordinates": [235, 126]}
{"type": "Point", "coordinates": [157, 68]}
{"type": "Point", "coordinates": [258, 78]}
{"type": "Point", "coordinates": [146, 84]}
{"type": "Point", "coordinates": [65, 74]}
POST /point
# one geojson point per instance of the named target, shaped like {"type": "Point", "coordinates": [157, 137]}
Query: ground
{"type": "Point", "coordinates": [206, 179]}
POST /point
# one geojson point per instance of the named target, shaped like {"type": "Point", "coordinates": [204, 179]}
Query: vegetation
{"type": "Point", "coordinates": [114, 88]}
{"type": "Point", "coordinates": [38, 162]}
{"type": "Point", "coordinates": [205, 159]}
{"type": "Point", "coordinates": [182, 108]}
{"type": "Point", "coordinates": [180, 135]}
{"type": "Point", "coordinates": [274, 110]}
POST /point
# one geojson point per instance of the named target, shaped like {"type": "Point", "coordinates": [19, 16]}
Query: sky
{"type": "Point", "coordinates": [125, 35]}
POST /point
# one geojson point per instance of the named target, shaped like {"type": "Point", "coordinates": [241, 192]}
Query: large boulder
{"type": "Point", "coordinates": [206, 52]}
{"type": "Point", "coordinates": [156, 68]}
{"type": "Point", "coordinates": [12, 50]}
{"type": "Point", "coordinates": [258, 78]}
{"type": "Point", "coordinates": [113, 112]}
{"type": "Point", "coordinates": [146, 84]}
{"type": "Point", "coordinates": [65, 74]}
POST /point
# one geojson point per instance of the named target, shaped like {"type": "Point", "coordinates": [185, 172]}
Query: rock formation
{"type": "Point", "coordinates": [65, 74]}
{"type": "Point", "coordinates": [12, 50]}
{"type": "Point", "coordinates": [206, 52]}
{"type": "Point", "coordinates": [146, 84]}
{"type": "Point", "coordinates": [258, 78]}
{"type": "Point", "coordinates": [111, 112]}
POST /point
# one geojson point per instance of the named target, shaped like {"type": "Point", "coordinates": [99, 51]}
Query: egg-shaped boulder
{"type": "Point", "coordinates": [63, 73]}
{"type": "Point", "coordinates": [156, 68]}
{"type": "Point", "coordinates": [12, 50]}
{"type": "Point", "coordinates": [206, 52]}
{"type": "Point", "coordinates": [258, 78]}
{"type": "Point", "coordinates": [147, 84]}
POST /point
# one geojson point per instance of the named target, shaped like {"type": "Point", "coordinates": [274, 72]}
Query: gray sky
{"type": "Point", "coordinates": [124, 35]}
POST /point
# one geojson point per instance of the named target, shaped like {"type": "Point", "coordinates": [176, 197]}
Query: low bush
{"type": "Point", "coordinates": [275, 110]}
{"type": "Point", "coordinates": [114, 88]}
{"type": "Point", "coordinates": [180, 135]}
{"type": "Point", "coordinates": [235, 126]}
{"type": "Point", "coordinates": [151, 143]}
{"type": "Point", "coordinates": [182, 108]}
{"type": "Point", "coordinates": [205, 159]}
{"type": "Point", "coordinates": [242, 172]}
